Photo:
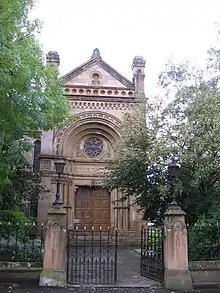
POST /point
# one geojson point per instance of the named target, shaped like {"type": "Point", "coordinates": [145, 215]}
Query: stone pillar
{"type": "Point", "coordinates": [54, 265]}
{"type": "Point", "coordinates": [138, 68]}
{"type": "Point", "coordinates": [53, 58]}
{"type": "Point", "coordinates": [176, 272]}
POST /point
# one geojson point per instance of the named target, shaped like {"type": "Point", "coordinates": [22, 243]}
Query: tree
{"type": "Point", "coordinates": [187, 130]}
{"type": "Point", "coordinates": [31, 95]}
{"type": "Point", "coordinates": [17, 205]}
{"type": "Point", "coordinates": [138, 170]}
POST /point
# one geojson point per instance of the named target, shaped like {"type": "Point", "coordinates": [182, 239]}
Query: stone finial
{"type": "Point", "coordinates": [138, 61]}
{"type": "Point", "coordinates": [96, 54]}
{"type": "Point", "coordinates": [53, 58]}
{"type": "Point", "coordinates": [174, 209]}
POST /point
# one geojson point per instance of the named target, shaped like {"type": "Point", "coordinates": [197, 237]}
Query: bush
{"type": "Point", "coordinates": [204, 240]}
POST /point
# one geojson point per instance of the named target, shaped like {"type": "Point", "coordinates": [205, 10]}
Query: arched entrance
{"type": "Point", "coordinates": [89, 144]}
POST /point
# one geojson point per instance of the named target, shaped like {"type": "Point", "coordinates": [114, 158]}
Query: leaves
{"type": "Point", "coordinates": [187, 130]}
{"type": "Point", "coordinates": [31, 96]}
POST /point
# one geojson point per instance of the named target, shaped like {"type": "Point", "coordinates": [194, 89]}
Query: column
{"type": "Point", "coordinates": [54, 264]}
{"type": "Point", "coordinates": [176, 274]}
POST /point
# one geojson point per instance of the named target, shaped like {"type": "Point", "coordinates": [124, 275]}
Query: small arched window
{"type": "Point", "coordinates": [36, 160]}
{"type": "Point", "coordinates": [95, 79]}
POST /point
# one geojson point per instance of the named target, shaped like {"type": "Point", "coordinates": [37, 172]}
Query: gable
{"type": "Point", "coordinates": [104, 79]}
{"type": "Point", "coordinates": [96, 72]}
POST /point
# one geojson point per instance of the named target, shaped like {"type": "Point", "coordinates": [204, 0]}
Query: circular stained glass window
{"type": "Point", "coordinates": [93, 146]}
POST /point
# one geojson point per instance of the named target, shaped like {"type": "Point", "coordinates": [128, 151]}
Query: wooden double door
{"type": "Point", "coordinates": [92, 207]}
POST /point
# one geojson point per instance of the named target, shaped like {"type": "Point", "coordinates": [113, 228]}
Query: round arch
{"type": "Point", "coordinates": [101, 123]}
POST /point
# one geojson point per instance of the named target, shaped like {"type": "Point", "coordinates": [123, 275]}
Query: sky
{"type": "Point", "coordinates": [156, 29]}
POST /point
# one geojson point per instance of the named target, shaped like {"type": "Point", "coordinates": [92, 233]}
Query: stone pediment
{"type": "Point", "coordinates": [97, 73]}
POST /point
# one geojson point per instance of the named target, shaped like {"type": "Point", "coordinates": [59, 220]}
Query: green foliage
{"type": "Point", "coordinates": [31, 97]}
{"type": "Point", "coordinates": [19, 197]}
{"type": "Point", "coordinates": [21, 242]}
{"type": "Point", "coordinates": [137, 172]}
{"type": "Point", "coordinates": [186, 130]}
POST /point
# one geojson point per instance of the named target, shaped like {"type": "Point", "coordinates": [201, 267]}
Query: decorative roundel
{"type": "Point", "coordinates": [93, 146]}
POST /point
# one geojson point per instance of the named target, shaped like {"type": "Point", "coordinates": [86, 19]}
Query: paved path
{"type": "Point", "coordinates": [129, 270]}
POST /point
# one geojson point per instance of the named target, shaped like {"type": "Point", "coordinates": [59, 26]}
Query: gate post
{"type": "Point", "coordinates": [176, 272]}
{"type": "Point", "coordinates": [54, 264]}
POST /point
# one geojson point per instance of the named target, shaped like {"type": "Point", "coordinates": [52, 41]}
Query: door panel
{"type": "Point", "coordinates": [92, 207]}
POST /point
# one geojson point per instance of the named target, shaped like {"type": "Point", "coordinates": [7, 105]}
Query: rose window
{"type": "Point", "coordinates": [93, 146]}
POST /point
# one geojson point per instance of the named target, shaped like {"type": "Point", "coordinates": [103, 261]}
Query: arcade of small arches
{"type": "Point", "coordinates": [103, 92]}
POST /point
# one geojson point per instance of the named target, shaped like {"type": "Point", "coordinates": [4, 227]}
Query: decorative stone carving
{"type": "Point", "coordinates": [46, 165]}
{"type": "Point", "coordinates": [79, 152]}
{"type": "Point", "coordinates": [46, 174]}
{"type": "Point", "coordinates": [71, 168]}
{"type": "Point", "coordinates": [92, 171]}
{"type": "Point", "coordinates": [84, 116]}
{"type": "Point", "coordinates": [177, 226]}
{"type": "Point", "coordinates": [71, 227]}
{"type": "Point", "coordinates": [56, 226]}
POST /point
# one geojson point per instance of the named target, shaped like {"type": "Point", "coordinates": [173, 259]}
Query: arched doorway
{"type": "Point", "coordinates": [89, 144]}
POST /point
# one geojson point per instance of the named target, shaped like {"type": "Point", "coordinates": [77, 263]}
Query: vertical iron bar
{"type": "Point", "coordinates": [92, 263]}
{"type": "Point", "coordinates": [24, 240]}
{"type": "Point", "coordinates": [8, 236]}
{"type": "Point", "coordinates": [42, 241]}
{"type": "Point", "coordinates": [141, 251]}
{"type": "Point", "coordinates": [76, 254]}
{"type": "Point", "coordinates": [33, 257]}
{"type": "Point", "coordinates": [68, 255]}
{"type": "Point", "coordinates": [84, 255]}
{"type": "Point", "coordinates": [162, 254]}
{"type": "Point", "coordinates": [100, 255]}
{"type": "Point", "coordinates": [108, 254]}
{"type": "Point", "coordinates": [1, 236]}
{"type": "Point", "coordinates": [88, 270]}
{"type": "Point", "coordinates": [145, 252]}
{"type": "Point", "coordinates": [16, 241]}
{"type": "Point", "coordinates": [116, 257]}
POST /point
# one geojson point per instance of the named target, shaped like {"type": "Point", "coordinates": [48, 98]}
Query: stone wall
{"type": "Point", "coordinates": [205, 272]}
{"type": "Point", "coordinates": [17, 272]}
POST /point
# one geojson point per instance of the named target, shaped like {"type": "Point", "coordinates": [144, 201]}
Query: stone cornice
{"type": "Point", "coordinates": [101, 99]}
{"type": "Point", "coordinates": [132, 88]}
{"type": "Point", "coordinates": [102, 105]}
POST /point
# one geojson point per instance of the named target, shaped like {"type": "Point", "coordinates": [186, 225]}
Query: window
{"type": "Point", "coordinates": [36, 160]}
{"type": "Point", "coordinates": [93, 146]}
{"type": "Point", "coordinates": [95, 79]}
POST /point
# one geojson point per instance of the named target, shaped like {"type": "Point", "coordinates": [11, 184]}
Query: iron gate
{"type": "Point", "coordinates": [91, 256]}
{"type": "Point", "coordinates": [152, 264]}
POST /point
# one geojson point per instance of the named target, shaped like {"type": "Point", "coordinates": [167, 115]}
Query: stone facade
{"type": "Point", "coordinates": [101, 98]}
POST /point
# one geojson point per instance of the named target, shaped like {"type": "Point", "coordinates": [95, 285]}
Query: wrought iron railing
{"type": "Point", "coordinates": [152, 252]}
{"type": "Point", "coordinates": [91, 256]}
{"type": "Point", "coordinates": [21, 242]}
